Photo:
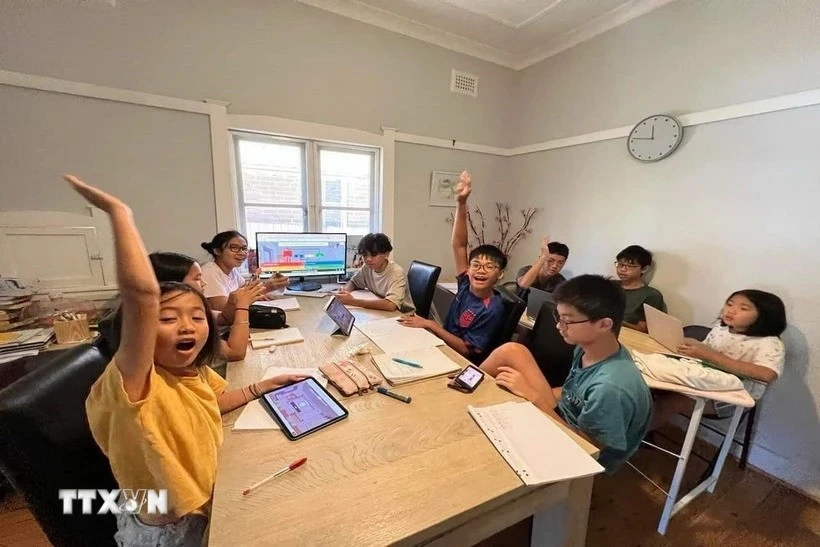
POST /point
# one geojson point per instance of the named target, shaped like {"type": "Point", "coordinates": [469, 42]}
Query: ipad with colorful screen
{"type": "Point", "coordinates": [303, 407]}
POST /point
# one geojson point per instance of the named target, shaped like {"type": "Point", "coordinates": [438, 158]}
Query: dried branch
{"type": "Point", "coordinates": [505, 242]}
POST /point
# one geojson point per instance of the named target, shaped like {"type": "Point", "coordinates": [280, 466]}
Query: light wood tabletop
{"type": "Point", "coordinates": [391, 473]}
{"type": "Point", "coordinates": [640, 341]}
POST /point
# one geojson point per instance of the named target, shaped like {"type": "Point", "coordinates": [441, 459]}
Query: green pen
{"type": "Point", "coordinates": [406, 362]}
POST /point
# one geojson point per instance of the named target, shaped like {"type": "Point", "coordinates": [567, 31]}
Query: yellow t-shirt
{"type": "Point", "coordinates": [169, 439]}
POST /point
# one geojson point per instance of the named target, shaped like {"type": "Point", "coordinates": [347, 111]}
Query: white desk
{"type": "Point", "coordinates": [641, 342]}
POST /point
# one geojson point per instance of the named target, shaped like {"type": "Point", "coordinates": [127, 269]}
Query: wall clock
{"type": "Point", "coordinates": [654, 138]}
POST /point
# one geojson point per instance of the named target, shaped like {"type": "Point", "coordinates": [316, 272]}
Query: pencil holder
{"type": "Point", "coordinates": [69, 331]}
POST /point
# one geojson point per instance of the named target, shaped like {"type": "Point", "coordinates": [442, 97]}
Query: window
{"type": "Point", "coordinates": [291, 185]}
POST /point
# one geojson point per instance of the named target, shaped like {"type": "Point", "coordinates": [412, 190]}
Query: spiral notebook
{"type": "Point", "coordinates": [537, 450]}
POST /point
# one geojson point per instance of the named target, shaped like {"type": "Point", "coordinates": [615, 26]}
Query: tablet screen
{"type": "Point", "coordinates": [304, 407]}
{"type": "Point", "coordinates": [340, 315]}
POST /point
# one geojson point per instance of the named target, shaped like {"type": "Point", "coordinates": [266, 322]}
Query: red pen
{"type": "Point", "coordinates": [279, 473]}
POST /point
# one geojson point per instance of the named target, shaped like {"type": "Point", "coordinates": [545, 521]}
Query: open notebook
{"type": "Point", "coordinates": [269, 338]}
{"type": "Point", "coordinates": [433, 361]}
{"type": "Point", "coordinates": [538, 450]}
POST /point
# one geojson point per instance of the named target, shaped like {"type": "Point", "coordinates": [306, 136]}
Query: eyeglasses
{"type": "Point", "coordinates": [489, 267]}
{"type": "Point", "coordinates": [238, 248]}
{"type": "Point", "coordinates": [567, 323]}
{"type": "Point", "coordinates": [627, 266]}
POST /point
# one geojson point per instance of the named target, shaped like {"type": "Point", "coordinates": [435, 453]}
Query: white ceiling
{"type": "Point", "coordinates": [512, 33]}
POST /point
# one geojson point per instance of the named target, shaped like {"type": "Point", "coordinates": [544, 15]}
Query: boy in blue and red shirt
{"type": "Point", "coordinates": [477, 313]}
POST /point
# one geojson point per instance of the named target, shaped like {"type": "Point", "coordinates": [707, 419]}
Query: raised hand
{"type": "Point", "coordinates": [545, 246]}
{"type": "Point", "coordinates": [464, 187]}
{"type": "Point", "coordinates": [95, 196]}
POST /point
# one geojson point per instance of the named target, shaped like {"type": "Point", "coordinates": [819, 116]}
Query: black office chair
{"type": "Point", "coordinates": [421, 280]}
{"type": "Point", "coordinates": [513, 310]}
{"type": "Point", "coordinates": [47, 445]}
{"type": "Point", "coordinates": [516, 289]}
{"type": "Point", "coordinates": [698, 332]}
{"type": "Point", "coordinates": [548, 347]}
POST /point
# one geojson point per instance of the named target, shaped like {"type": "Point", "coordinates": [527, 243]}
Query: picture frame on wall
{"type": "Point", "coordinates": [443, 189]}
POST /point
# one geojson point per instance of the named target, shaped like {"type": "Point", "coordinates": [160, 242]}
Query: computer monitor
{"type": "Point", "coordinates": [301, 255]}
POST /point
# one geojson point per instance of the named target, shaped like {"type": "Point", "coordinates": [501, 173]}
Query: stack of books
{"type": "Point", "coordinates": [23, 343]}
{"type": "Point", "coordinates": [13, 298]}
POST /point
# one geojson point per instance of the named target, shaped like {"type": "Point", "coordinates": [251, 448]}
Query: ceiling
{"type": "Point", "coordinates": [512, 33]}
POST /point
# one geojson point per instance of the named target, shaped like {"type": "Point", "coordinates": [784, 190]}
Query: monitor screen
{"type": "Point", "coordinates": [299, 255]}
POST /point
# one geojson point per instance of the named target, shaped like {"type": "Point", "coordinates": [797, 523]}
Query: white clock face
{"type": "Point", "coordinates": [654, 138]}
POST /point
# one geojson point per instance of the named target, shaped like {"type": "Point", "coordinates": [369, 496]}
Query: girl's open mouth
{"type": "Point", "coordinates": [186, 345]}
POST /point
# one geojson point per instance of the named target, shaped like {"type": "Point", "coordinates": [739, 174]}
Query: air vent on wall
{"type": "Point", "coordinates": [464, 83]}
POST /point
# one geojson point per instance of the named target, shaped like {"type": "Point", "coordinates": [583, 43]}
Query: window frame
{"type": "Point", "coordinates": [312, 206]}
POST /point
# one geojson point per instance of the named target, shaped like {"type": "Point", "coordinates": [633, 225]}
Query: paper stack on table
{"type": "Point", "coordinates": [394, 338]}
{"type": "Point", "coordinates": [23, 343]}
{"type": "Point", "coordinates": [286, 304]}
{"type": "Point", "coordinates": [279, 337]}
{"type": "Point", "coordinates": [433, 361]}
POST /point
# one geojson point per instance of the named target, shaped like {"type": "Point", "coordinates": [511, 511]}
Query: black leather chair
{"type": "Point", "coordinates": [698, 332]}
{"type": "Point", "coordinates": [46, 445]}
{"type": "Point", "coordinates": [548, 347]}
{"type": "Point", "coordinates": [513, 310]}
{"type": "Point", "coordinates": [421, 280]}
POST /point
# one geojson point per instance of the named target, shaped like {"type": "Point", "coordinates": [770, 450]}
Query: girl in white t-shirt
{"type": "Point", "coordinates": [745, 341]}
{"type": "Point", "coordinates": [229, 250]}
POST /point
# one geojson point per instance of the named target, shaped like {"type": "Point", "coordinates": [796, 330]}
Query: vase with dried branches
{"type": "Point", "coordinates": [508, 237]}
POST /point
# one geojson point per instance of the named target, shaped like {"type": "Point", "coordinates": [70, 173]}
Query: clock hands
{"type": "Point", "coordinates": [651, 137]}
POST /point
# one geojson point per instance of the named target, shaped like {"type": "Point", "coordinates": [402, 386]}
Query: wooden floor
{"type": "Point", "coordinates": [748, 509]}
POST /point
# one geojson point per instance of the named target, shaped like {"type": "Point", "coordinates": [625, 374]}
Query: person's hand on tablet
{"type": "Point", "coordinates": [282, 380]}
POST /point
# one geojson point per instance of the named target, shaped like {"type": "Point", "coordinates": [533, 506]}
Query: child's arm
{"type": "Point", "coordinates": [348, 299]}
{"type": "Point", "coordinates": [139, 291]}
{"type": "Point", "coordinates": [526, 280]}
{"type": "Point", "coordinates": [699, 350]}
{"type": "Point", "coordinates": [237, 345]}
{"type": "Point", "coordinates": [459, 238]}
{"type": "Point", "coordinates": [449, 338]}
{"type": "Point", "coordinates": [231, 400]}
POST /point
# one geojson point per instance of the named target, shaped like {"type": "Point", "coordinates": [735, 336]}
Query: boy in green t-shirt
{"type": "Point", "coordinates": [630, 265]}
{"type": "Point", "coordinates": [604, 398]}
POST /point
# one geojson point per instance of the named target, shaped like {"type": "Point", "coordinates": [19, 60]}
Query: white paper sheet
{"type": "Point", "coordinates": [394, 338]}
{"type": "Point", "coordinates": [255, 416]}
{"type": "Point", "coordinates": [537, 449]}
{"type": "Point", "coordinates": [286, 304]}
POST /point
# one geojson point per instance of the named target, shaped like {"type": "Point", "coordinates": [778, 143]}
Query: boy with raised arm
{"type": "Point", "coordinates": [477, 313]}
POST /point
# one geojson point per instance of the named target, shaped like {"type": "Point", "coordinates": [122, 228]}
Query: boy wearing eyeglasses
{"type": "Point", "coordinates": [477, 313]}
{"type": "Point", "coordinates": [630, 265]}
{"type": "Point", "coordinates": [604, 398]}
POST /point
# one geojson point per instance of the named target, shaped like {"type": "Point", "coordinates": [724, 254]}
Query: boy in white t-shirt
{"type": "Point", "coordinates": [379, 275]}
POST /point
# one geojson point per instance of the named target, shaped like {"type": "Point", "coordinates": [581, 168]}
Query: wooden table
{"type": "Point", "coordinates": [392, 473]}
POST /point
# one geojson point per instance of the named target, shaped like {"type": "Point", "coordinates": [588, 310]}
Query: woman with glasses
{"type": "Point", "coordinates": [229, 250]}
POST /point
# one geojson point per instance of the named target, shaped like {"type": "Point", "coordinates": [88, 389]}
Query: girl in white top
{"type": "Point", "coordinates": [229, 250]}
{"type": "Point", "coordinates": [746, 339]}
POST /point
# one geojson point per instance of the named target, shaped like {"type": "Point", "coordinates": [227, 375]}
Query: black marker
{"type": "Point", "coordinates": [402, 398]}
